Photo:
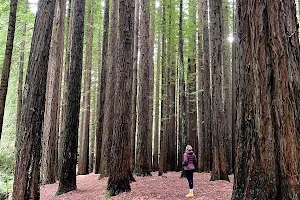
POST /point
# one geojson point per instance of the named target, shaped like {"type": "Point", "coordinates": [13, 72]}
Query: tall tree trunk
{"type": "Point", "coordinates": [65, 80]}
{"type": "Point", "coordinates": [21, 71]}
{"type": "Point", "coordinates": [234, 87]}
{"type": "Point", "coordinates": [27, 169]}
{"type": "Point", "coordinates": [170, 100]}
{"type": "Point", "coordinates": [206, 91]}
{"type": "Point", "coordinates": [118, 181]}
{"type": "Point", "coordinates": [134, 81]}
{"type": "Point", "coordinates": [93, 133]}
{"type": "Point", "coordinates": [227, 86]}
{"type": "Point", "coordinates": [110, 92]}
{"type": "Point", "coordinates": [182, 98]}
{"type": "Point", "coordinates": [219, 165]}
{"type": "Point", "coordinates": [191, 87]}
{"type": "Point", "coordinates": [192, 115]}
{"type": "Point", "coordinates": [52, 108]}
{"type": "Point", "coordinates": [83, 162]}
{"type": "Point", "coordinates": [70, 139]}
{"type": "Point", "coordinates": [144, 98]}
{"type": "Point", "coordinates": [151, 84]}
{"type": "Point", "coordinates": [99, 127]}
{"type": "Point", "coordinates": [179, 134]}
{"type": "Point", "coordinates": [157, 105]}
{"type": "Point", "coordinates": [268, 137]}
{"type": "Point", "coordinates": [163, 134]}
{"type": "Point", "coordinates": [98, 141]}
{"type": "Point", "coordinates": [201, 143]}
{"type": "Point", "coordinates": [7, 58]}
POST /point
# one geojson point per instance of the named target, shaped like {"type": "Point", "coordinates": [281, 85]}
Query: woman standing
{"type": "Point", "coordinates": [189, 163]}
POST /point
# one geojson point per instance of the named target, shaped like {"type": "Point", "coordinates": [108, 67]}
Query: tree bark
{"type": "Point", "coordinates": [234, 87]}
{"type": "Point", "coordinates": [7, 58]}
{"type": "Point", "coordinates": [21, 71]}
{"type": "Point", "coordinates": [93, 133]}
{"type": "Point", "coordinates": [163, 134]}
{"type": "Point", "coordinates": [144, 133]}
{"type": "Point", "coordinates": [83, 162]}
{"type": "Point", "coordinates": [98, 141]}
{"type": "Point", "coordinates": [268, 135]}
{"type": "Point", "coordinates": [52, 108]}
{"type": "Point", "coordinates": [182, 96]}
{"type": "Point", "coordinates": [157, 104]}
{"type": "Point", "coordinates": [99, 127]}
{"type": "Point", "coordinates": [227, 86]}
{"type": "Point", "coordinates": [219, 165]}
{"type": "Point", "coordinates": [207, 91]}
{"type": "Point", "coordinates": [191, 79]}
{"type": "Point", "coordinates": [65, 79]}
{"type": "Point", "coordinates": [134, 81]}
{"type": "Point", "coordinates": [201, 143]}
{"type": "Point", "coordinates": [151, 84]}
{"type": "Point", "coordinates": [170, 98]}
{"type": "Point", "coordinates": [108, 122]}
{"type": "Point", "coordinates": [27, 169]}
{"type": "Point", "coordinates": [70, 139]}
{"type": "Point", "coordinates": [118, 181]}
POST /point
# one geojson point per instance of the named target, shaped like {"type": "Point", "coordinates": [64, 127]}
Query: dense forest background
{"type": "Point", "coordinates": [26, 15]}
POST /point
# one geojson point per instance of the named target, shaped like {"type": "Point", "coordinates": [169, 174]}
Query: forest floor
{"type": "Point", "coordinates": [169, 187]}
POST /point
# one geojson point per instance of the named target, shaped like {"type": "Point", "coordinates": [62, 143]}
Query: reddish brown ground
{"type": "Point", "coordinates": [146, 188]}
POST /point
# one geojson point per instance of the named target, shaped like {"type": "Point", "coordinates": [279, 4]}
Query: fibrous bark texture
{"type": "Point", "coordinates": [27, 169]}
{"type": "Point", "coordinates": [52, 108]}
{"type": "Point", "coordinates": [219, 162]}
{"type": "Point", "coordinates": [83, 162]}
{"type": "Point", "coordinates": [268, 123]}
{"type": "Point", "coordinates": [69, 140]}
{"type": "Point", "coordinates": [108, 118]}
{"type": "Point", "coordinates": [120, 172]}
{"type": "Point", "coordinates": [143, 133]}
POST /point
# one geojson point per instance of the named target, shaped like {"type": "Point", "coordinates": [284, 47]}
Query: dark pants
{"type": "Point", "coordinates": [189, 175]}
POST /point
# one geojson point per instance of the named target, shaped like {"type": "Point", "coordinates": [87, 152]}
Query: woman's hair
{"type": "Point", "coordinates": [188, 147]}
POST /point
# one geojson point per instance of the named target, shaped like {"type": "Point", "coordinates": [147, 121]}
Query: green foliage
{"type": "Point", "coordinates": [6, 172]}
{"type": "Point", "coordinates": [7, 143]}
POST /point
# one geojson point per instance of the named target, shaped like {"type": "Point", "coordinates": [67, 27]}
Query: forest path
{"type": "Point", "coordinates": [146, 188]}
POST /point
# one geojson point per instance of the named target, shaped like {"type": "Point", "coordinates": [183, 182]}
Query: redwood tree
{"type": "Point", "coordinates": [157, 105]}
{"type": "Point", "coordinates": [27, 169]}
{"type": "Point", "coordinates": [268, 135]}
{"type": "Point", "coordinates": [70, 138]}
{"type": "Point", "coordinates": [69, 23]}
{"type": "Point", "coordinates": [206, 90]}
{"type": "Point", "coordinates": [144, 132]}
{"type": "Point", "coordinates": [219, 164]}
{"type": "Point", "coordinates": [100, 110]}
{"type": "Point", "coordinates": [108, 118]}
{"type": "Point", "coordinates": [52, 108]}
{"type": "Point", "coordinates": [21, 69]}
{"type": "Point", "coordinates": [227, 85]}
{"type": "Point", "coordinates": [83, 161]}
{"type": "Point", "coordinates": [200, 88]}
{"type": "Point", "coordinates": [7, 58]}
{"type": "Point", "coordinates": [120, 172]}
{"type": "Point", "coordinates": [182, 96]}
{"type": "Point", "coordinates": [134, 81]}
{"type": "Point", "coordinates": [191, 78]}
{"type": "Point", "coordinates": [163, 134]}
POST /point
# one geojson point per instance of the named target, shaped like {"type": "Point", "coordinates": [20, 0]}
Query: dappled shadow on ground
{"type": "Point", "coordinates": [169, 187]}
